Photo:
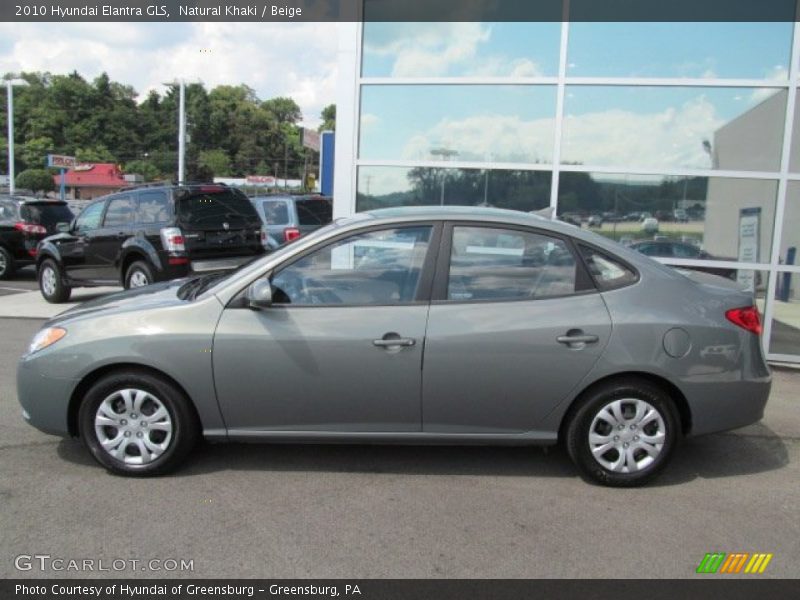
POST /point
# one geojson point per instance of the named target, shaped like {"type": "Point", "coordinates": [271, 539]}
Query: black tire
{"type": "Point", "coordinates": [139, 268]}
{"type": "Point", "coordinates": [59, 292]}
{"type": "Point", "coordinates": [185, 426]}
{"type": "Point", "coordinates": [581, 420]}
{"type": "Point", "coordinates": [7, 267]}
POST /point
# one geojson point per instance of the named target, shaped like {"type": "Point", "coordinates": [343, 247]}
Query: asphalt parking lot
{"type": "Point", "coordinates": [358, 511]}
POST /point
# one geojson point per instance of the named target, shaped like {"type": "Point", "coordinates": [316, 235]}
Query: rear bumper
{"type": "Point", "coordinates": [721, 407]}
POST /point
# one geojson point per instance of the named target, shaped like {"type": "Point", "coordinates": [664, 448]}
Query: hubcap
{"type": "Point", "coordinates": [627, 435]}
{"type": "Point", "coordinates": [3, 263]}
{"type": "Point", "coordinates": [138, 279]}
{"type": "Point", "coordinates": [133, 426]}
{"type": "Point", "coordinates": [49, 281]}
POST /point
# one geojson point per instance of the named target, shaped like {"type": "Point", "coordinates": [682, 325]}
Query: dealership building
{"type": "Point", "coordinates": [693, 124]}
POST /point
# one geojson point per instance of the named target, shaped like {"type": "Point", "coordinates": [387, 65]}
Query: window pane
{"type": "Point", "coordinates": [460, 49]}
{"type": "Point", "coordinates": [608, 272]}
{"type": "Point", "coordinates": [380, 267]}
{"type": "Point", "coordinates": [499, 123]}
{"type": "Point", "coordinates": [790, 231]}
{"type": "Point", "coordinates": [154, 207]}
{"type": "Point", "coordinates": [785, 338]}
{"type": "Point", "coordinates": [715, 217]}
{"type": "Point", "coordinates": [90, 217]}
{"type": "Point", "coordinates": [504, 264]}
{"type": "Point", "coordinates": [314, 211]}
{"type": "Point", "coordinates": [276, 212]}
{"type": "Point", "coordinates": [119, 212]}
{"type": "Point", "coordinates": [674, 127]}
{"type": "Point", "coordinates": [384, 187]}
{"type": "Point", "coordinates": [711, 50]}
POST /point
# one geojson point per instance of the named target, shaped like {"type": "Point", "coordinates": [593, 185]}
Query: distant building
{"type": "Point", "coordinates": [88, 181]}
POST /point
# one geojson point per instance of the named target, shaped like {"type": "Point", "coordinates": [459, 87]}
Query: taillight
{"type": "Point", "coordinates": [173, 240]}
{"type": "Point", "coordinates": [746, 317]}
{"type": "Point", "coordinates": [30, 228]}
{"type": "Point", "coordinates": [290, 233]}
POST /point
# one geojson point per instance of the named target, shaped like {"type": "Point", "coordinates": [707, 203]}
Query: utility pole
{"type": "Point", "coordinates": [10, 83]}
{"type": "Point", "coordinates": [182, 132]}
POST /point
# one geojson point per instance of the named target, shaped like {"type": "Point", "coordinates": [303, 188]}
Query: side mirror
{"type": "Point", "coordinates": [63, 227]}
{"type": "Point", "coordinates": [259, 294]}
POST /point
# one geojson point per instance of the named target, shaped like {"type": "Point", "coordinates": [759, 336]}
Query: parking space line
{"type": "Point", "coordinates": [12, 289]}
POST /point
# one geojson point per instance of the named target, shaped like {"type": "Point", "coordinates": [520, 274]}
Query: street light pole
{"type": "Point", "coordinates": [181, 131]}
{"type": "Point", "coordinates": [10, 105]}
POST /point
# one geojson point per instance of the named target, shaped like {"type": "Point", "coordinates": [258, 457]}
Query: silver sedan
{"type": "Point", "coordinates": [418, 326]}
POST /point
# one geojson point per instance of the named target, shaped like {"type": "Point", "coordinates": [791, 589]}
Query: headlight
{"type": "Point", "coordinates": [46, 337]}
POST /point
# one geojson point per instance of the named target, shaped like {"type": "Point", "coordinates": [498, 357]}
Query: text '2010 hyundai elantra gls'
{"type": "Point", "coordinates": [414, 325]}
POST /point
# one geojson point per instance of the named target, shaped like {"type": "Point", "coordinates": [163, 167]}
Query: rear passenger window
{"type": "Point", "coordinates": [504, 264]}
{"type": "Point", "coordinates": [154, 207]}
{"type": "Point", "coordinates": [276, 212]}
{"type": "Point", "coordinates": [119, 212]}
{"type": "Point", "coordinates": [609, 273]}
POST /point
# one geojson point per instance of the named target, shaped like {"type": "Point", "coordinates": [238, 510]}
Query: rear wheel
{"type": "Point", "coordinates": [139, 274]}
{"type": "Point", "coordinates": [136, 423]}
{"type": "Point", "coordinates": [6, 264]}
{"type": "Point", "coordinates": [51, 282]}
{"type": "Point", "coordinates": [623, 433]}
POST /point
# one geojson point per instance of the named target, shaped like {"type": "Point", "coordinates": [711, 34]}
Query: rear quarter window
{"type": "Point", "coordinates": [314, 211]}
{"type": "Point", "coordinates": [608, 272]}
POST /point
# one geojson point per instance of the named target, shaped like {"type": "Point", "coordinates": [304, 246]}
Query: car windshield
{"type": "Point", "coordinates": [46, 214]}
{"type": "Point", "coordinates": [215, 206]}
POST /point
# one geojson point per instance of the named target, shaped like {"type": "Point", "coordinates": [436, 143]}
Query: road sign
{"type": "Point", "coordinates": [60, 161]}
{"type": "Point", "coordinates": [310, 139]}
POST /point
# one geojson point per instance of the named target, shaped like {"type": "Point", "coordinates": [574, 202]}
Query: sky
{"type": "Point", "coordinates": [282, 59]}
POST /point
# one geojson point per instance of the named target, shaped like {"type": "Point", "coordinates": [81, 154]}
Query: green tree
{"type": "Point", "coordinates": [216, 161]}
{"type": "Point", "coordinates": [37, 180]}
{"type": "Point", "coordinates": [284, 110]}
{"type": "Point", "coordinates": [328, 118]}
{"type": "Point", "coordinates": [94, 154]}
{"type": "Point", "coordinates": [33, 153]}
{"type": "Point", "coordinates": [145, 168]}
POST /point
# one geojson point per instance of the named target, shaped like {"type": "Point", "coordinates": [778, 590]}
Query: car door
{"type": "Point", "coordinates": [73, 248]}
{"type": "Point", "coordinates": [340, 349]}
{"type": "Point", "coordinates": [103, 245]}
{"type": "Point", "coordinates": [514, 325]}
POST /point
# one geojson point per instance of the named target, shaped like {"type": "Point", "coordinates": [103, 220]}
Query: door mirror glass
{"type": "Point", "coordinates": [259, 294]}
{"type": "Point", "coordinates": [63, 227]}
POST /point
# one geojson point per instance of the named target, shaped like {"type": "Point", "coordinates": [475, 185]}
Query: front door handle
{"type": "Point", "coordinates": [576, 338]}
{"type": "Point", "coordinates": [393, 340]}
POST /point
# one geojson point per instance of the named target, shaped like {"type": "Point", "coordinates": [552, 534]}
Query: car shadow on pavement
{"type": "Point", "coordinates": [708, 457]}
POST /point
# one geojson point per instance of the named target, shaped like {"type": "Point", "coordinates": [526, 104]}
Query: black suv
{"type": "Point", "coordinates": [23, 223]}
{"type": "Point", "coordinates": [150, 233]}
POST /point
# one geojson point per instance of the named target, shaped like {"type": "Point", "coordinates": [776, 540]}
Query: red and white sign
{"type": "Point", "coordinates": [60, 161]}
{"type": "Point", "coordinates": [267, 180]}
{"type": "Point", "coordinates": [310, 139]}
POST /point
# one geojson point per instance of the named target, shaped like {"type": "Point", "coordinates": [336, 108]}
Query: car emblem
{"type": "Point", "coordinates": [226, 226]}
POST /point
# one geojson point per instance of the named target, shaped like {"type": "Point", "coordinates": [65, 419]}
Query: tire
{"type": "Point", "coordinates": [139, 274]}
{"type": "Point", "coordinates": [6, 264]}
{"type": "Point", "coordinates": [628, 460]}
{"type": "Point", "coordinates": [153, 442]}
{"type": "Point", "coordinates": [51, 282]}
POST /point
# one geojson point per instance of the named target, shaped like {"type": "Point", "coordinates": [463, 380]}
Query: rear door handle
{"type": "Point", "coordinates": [576, 338]}
{"type": "Point", "coordinates": [393, 340]}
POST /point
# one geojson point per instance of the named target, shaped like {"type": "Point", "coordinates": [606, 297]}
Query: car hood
{"type": "Point", "coordinates": [159, 295]}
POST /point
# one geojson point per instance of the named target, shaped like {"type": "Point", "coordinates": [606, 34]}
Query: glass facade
{"type": "Point", "coordinates": [688, 151]}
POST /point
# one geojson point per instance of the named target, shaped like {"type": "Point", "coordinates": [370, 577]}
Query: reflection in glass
{"type": "Point", "coordinates": [500, 123]}
{"type": "Point", "coordinates": [711, 218]}
{"type": "Point", "coordinates": [674, 127]}
{"type": "Point", "coordinates": [785, 337]}
{"type": "Point", "coordinates": [708, 50]}
{"type": "Point", "coordinates": [460, 49]}
{"type": "Point", "coordinates": [384, 187]}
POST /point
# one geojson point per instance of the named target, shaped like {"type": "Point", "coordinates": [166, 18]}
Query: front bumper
{"type": "Point", "coordinates": [44, 398]}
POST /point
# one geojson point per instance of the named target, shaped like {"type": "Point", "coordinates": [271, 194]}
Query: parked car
{"type": "Point", "coordinates": [286, 218]}
{"type": "Point", "coordinates": [680, 215]}
{"type": "Point", "coordinates": [322, 341]}
{"type": "Point", "coordinates": [150, 233]}
{"type": "Point", "coordinates": [24, 221]}
{"type": "Point", "coordinates": [650, 225]}
{"type": "Point", "coordinates": [674, 249]}
{"type": "Point", "coordinates": [595, 221]}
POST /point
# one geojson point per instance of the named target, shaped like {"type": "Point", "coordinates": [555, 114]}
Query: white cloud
{"type": "Point", "coordinates": [281, 59]}
{"type": "Point", "coordinates": [369, 119]}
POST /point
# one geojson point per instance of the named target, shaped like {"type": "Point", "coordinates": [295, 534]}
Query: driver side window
{"type": "Point", "coordinates": [369, 269]}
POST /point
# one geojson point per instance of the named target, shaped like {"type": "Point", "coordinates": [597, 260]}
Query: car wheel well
{"type": "Point", "coordinates": [89, 380]}
{"type": "Point", "coordinates": [129, 259]}
{"type": "Point", "coordinates": [682, 406]}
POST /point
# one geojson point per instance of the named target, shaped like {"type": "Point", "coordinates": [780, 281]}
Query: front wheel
{"type": "Point", "coordinates": [51, 282]}
{"type": "Point", "coordinates": [136, 423]}
{"type": "Point", "coordinates": [623, 433]}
